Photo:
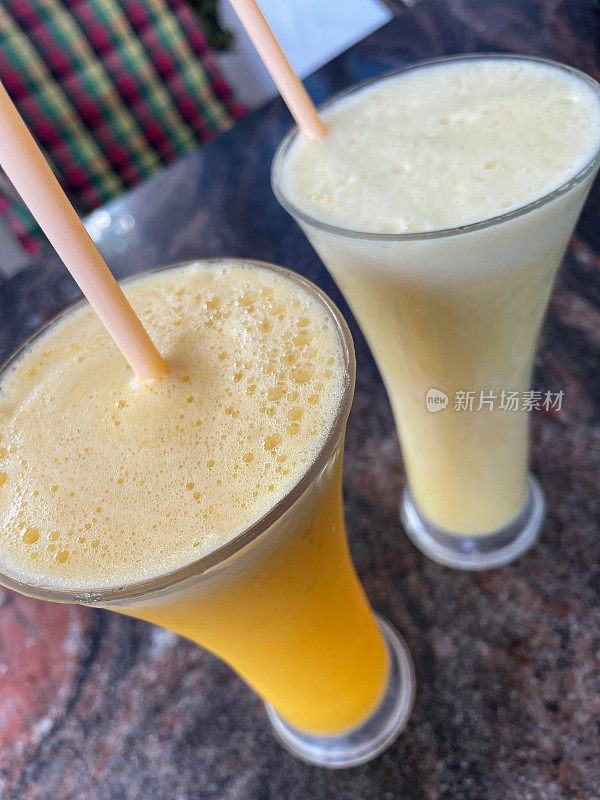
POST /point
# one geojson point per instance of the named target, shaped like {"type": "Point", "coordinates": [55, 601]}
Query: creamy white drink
{"type": "Point", "coordinates": [408, 160]}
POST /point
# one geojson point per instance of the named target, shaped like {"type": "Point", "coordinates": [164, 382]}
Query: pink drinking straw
{"type": "Point", "coordinates": [23, 162]}
{"type": "Point", "coordinates": [289, 84]}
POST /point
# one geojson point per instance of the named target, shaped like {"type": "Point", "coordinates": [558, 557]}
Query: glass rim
{"type": "Point", "coordinates": [439, 233]}
{"type": "Point", "coordinates": [234, 545]}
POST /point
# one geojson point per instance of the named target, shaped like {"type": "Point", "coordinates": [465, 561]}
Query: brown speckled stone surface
{"type": "Point", "coordinates": [508, 662]}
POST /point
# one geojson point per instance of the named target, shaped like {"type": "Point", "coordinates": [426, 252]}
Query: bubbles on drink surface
{"type": "Point", "coordinates": [122, 481]}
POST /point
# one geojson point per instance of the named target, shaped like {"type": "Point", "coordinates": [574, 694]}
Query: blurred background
{"type": "Point", "coordinates": [113, 91]}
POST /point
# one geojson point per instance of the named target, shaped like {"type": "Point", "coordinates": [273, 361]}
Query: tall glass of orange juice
{"type": "Point", "coordinates": [210, 501]}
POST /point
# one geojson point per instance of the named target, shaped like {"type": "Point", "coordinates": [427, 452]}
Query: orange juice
{"type": "Point", "coordinates": [109, 489]}
{"type": "Point", "coordinates": [291, 617]}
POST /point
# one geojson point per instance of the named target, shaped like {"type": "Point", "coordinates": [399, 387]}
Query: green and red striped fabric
{"type": "Point", "coordinates": [112, 90]}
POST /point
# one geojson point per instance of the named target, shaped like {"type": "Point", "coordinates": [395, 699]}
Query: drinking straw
{"type": "Point", "coordinates": [23, 162]}
{"type": "Point", "coordinates": [289, 84]}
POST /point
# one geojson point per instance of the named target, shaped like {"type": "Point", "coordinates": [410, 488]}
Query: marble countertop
{"type": "Point", "coordinates": [508, 662]}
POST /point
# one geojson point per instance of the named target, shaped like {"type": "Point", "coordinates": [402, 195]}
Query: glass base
{"type": "Point", "coordinates": [476, 552]}
{"type": "Point", "coordinates": [376, 734]}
